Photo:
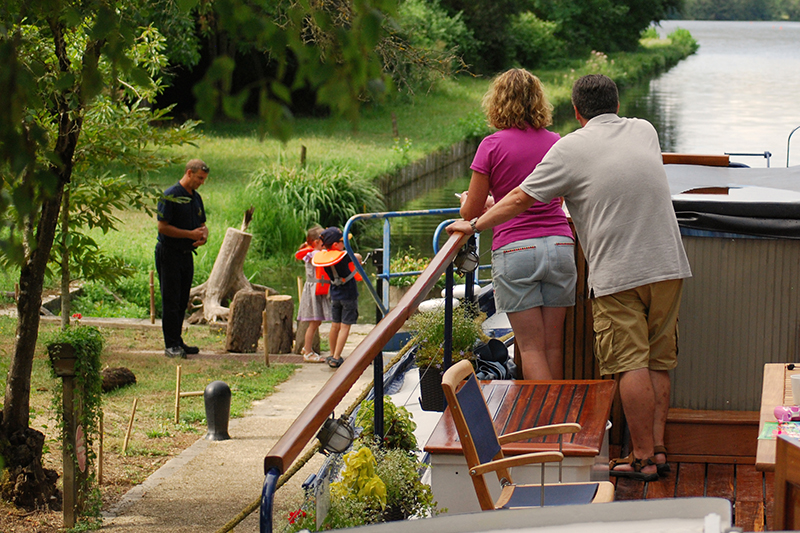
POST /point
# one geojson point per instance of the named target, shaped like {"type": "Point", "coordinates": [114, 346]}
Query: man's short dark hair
{"type": "Point", "coordinates": [595, 95]}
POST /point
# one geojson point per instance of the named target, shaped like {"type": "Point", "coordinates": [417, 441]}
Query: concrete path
{"type": "Point", "coordinates": [211, 482]}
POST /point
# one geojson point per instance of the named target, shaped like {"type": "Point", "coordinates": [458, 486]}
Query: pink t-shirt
{"type": "Point", "coordinates": [508, 157]}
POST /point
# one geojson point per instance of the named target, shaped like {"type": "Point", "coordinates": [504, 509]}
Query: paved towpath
{"type": "Point", "coordinates": [211, 482]}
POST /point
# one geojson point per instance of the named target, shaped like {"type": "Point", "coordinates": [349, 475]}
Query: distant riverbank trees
{"type": "Point", "coordinates": [553, 29]}
{"type": "Point", "coordinates": [739, 10]}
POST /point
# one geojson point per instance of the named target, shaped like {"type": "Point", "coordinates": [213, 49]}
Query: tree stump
{"type": "Point", "coordinates": [244, 321]}
{"type": "Point", "coordinates": [226, 279]}
{"type": "Point", "coordinates": [280, 319]}
{"type": "Point", "coordinates": [300, 338]}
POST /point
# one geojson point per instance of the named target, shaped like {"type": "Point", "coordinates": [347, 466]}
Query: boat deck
{"type": "Point", "coordinates": [750, 491]}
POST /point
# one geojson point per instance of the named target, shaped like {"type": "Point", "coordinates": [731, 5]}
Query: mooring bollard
{"type": "Point", "coordinates": [217, 398]}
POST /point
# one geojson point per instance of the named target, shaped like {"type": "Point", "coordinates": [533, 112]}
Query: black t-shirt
{"type": "Point", "coordinates": [186, 215]}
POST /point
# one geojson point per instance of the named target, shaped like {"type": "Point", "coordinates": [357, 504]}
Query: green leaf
{"type": "Point", "coordinates": [187, 5]}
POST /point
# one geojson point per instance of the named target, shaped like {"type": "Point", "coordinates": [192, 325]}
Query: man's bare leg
{"type": "Point", "coordinates": [638, 402]}
{"type": "Point", "coordinates": [661, 391]}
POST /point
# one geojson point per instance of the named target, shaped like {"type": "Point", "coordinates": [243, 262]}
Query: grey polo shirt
{"type": "Point", "coordinates": [612, 178]}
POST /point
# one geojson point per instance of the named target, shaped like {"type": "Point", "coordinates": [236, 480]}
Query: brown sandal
{"type": "Point", "coordinates": [662, 468]}
{"type": "Point", "coordinates": [637, 465]}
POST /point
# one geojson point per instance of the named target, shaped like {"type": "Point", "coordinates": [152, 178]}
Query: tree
{"type": "Point", "coordinates": [602, 25]}
{"type": "Point", "coordinates": [59, 58]}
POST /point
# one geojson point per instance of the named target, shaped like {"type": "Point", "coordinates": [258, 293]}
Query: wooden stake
{"type": "Point", "coordinates": [152, 298]}
{"type": "Point", "coordinates": [302, 156]}
{"type": "Point", "coordinates": [70, 494]}
{"type": "Point", "coordinates": [178, 394]}
{"type": "Point", "coordinates": [130, 427]}
{"type": "Point", "coordinates": [395, 131]}
{"type": "Point", "coordinates": [100, 453]}
{"type": "Point", "coordinates": [266, 344]}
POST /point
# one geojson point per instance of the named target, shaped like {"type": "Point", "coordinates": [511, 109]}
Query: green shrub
{"type": "Point", "coordinates": [430, 27]}
{"type": "Point", "coordinates": [532, 40]}
{"type": "Point", "coordinates": [97, 300]}
{"type": "Point", "coordinates": [650, 33]}
{"type": "Point", "coordinates": [682, 37]}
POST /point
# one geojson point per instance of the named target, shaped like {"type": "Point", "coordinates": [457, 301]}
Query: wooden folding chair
{"type": "Point", "coordinates": [483, 451]}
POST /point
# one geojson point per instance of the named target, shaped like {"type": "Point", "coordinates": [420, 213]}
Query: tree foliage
{"type": "Point", "coordinates": [570, 26]}
{"type": "Point", "coordinates": [603, 25]}
{"type": "Point", "coordinates": [61, 61]}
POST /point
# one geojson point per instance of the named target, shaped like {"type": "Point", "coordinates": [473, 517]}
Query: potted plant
{"type": "Point", "coordinates": [398, 427]}
{"type": "Point", "coordinates": [429, 340]}
{"type": "Point", "coordinates": [408, 262]}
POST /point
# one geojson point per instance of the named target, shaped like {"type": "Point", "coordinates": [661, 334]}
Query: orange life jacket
{"type": "Point", "coordinates": [327, 272]}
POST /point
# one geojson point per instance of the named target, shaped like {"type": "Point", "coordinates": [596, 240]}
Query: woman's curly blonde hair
{"type": "Point", "coordinates": [516, 100]}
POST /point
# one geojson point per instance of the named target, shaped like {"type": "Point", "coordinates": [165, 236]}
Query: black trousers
{"type": "Point", "coordinates": [175, 272]}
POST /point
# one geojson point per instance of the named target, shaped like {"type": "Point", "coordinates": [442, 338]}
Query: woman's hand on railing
{"type": "Point", "coordinates": [459, 225]}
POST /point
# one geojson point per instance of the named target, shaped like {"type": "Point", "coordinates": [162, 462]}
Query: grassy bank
{"type": "Point", "coordinates": [155, 436]}
{"type": "Point", "coordinates": [449, 112]}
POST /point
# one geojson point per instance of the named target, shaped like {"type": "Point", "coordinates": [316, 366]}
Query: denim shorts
{"type": "Point", "coordinates": [534, 273]}
{"type": "Point", "coordinates": [344, 311]}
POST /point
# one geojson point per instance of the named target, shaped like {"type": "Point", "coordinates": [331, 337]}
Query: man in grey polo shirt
{"type": "Point", "coordinates": [612, 179]}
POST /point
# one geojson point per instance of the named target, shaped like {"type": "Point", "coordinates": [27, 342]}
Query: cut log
{"type": "Point", "coordinates": [207, 301]}
{"type": "Point", "coordinates": [280, 319]}
{"type": "Point", "coordinates": [244, 322]}
{"type": "Point", "coordinates": [300, 338]}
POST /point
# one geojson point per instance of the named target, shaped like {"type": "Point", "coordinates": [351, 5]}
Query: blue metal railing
{"type": "Point", "coordinates": [382, 300]}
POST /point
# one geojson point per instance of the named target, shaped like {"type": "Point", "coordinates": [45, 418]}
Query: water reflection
{"type": "Point", "coordinates": [737, 94]}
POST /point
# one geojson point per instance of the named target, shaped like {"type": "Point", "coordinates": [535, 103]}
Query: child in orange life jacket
{"type": "Point", "coordinates": [315, 304]}
{"type": "Point", "coordinates": [344, 291]}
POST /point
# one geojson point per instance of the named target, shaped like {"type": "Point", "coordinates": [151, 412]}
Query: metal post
{"type": "Point", "coordinates": [448, 317]}
{"type": "Point", "coordinates": [789, 140]}
{"type": "Point", "coordinates": [377, 367]}
{"type": "Point", "coordinates": [387, 263]}
{"type": "Point", "coordinates": [469, 279]}
{"type": "Point", "coordinates": [267, 496]}
{"type": "Point", "coordinates": [217, 399]}
{"type": "Point", "coordinates": [377, 262]}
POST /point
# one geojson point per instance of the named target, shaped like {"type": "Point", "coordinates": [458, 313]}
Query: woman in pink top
{"type": "Point", "coordinates": [533, 261]}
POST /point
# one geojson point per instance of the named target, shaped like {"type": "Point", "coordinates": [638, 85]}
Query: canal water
{"type": "Point", "coordinates": [737, 94]}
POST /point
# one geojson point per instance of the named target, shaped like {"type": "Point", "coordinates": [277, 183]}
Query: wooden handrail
{"type": "Point", "coordinates": [695, 159]}
{"type": "Point", "coordinates": [305, 427]}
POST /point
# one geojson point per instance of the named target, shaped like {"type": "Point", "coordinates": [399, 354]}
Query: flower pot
{"type": "Point", "coordinates": [430, 387]}
{"type": "Point", "coordinates": [63, 357]}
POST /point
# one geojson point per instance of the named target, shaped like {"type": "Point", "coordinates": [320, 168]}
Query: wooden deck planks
{"type": "Point", "coordinates": [769, 499]}
{"type": "Point", "coordinates": [750, 491]}
{"type": "Point", "coordinates": [691, 480]}
{"type": "Point", "coordinates": [721, 482]}
{"type": "Point", "coordinates": [749, 508]}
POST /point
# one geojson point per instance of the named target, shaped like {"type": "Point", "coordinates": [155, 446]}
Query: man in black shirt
{"type": "Point", "coordinates": [181, 229]}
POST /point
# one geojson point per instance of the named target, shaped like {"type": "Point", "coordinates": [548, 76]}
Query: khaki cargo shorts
{"type": "Point", "coordinates": [638, 328]}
